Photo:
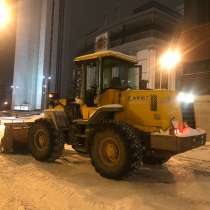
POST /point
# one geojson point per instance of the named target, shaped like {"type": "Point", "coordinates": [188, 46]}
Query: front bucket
{"type": "Point", "coordinates": [14, 134]}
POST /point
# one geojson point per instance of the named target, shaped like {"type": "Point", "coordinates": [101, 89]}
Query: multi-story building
{"type": "Point", "coordinates": [195, 44]}
{"type": "Point", "coordinates": [41, 58]}
{"type": "Point", "coordinates": [145, 34]}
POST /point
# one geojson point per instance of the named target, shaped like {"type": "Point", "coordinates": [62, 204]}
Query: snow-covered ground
{"type": "Point", "coordinates": [72, 184]}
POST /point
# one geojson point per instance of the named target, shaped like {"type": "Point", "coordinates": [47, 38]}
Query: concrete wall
{"type": "Point", "coordinates": [202, 111]}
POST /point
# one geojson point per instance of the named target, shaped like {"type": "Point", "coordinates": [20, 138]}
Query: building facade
{"type": "Point", "coordinates": [145, 34]}
{"type": "Point", "coordinates": [195, 44]}
{"type": "Point", "coordinates": [40, 58]}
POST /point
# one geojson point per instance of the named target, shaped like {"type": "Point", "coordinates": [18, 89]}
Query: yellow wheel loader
{"type": "Point", "coordinates": [115, 119]}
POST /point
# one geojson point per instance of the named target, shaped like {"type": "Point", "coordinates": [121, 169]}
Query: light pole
{"type": "Point", "coordinates": [168, 61]}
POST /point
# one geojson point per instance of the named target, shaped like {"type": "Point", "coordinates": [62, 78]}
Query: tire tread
{"type": "Point", "coordinates": [57, 140]}
{"type": "Point", "coordinates": [131, 138]}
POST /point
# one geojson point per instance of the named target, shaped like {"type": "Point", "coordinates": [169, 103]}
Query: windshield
{"type": "Point", "coordinates": [120, 74]}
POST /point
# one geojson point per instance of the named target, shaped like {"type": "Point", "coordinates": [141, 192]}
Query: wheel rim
{"type": "Point", "coordinates": [109, 151]}
{"type": "Point", "coordinates": [41, 140]}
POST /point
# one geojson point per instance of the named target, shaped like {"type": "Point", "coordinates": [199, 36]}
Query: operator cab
{"type": "Point", "coordinates": [105, 70]}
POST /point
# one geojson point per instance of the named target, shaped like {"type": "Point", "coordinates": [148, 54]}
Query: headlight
{"type": "Point", "coordinates": [186, 97]}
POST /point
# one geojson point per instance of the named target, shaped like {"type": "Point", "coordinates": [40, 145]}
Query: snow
{"type": "Point", "coordinates": [20, 119]}
{"type": "Point", "coordinates": [4, 120]}
{"type": "Point", "coordinates": [72, 183]}
{"type": "Point", "coordinates": [187, 132]}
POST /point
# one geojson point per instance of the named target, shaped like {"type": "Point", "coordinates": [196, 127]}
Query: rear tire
{"type": "Point", "coordinates": [116, 151]}
{"type": "Point", "coordinates": [45, 143]}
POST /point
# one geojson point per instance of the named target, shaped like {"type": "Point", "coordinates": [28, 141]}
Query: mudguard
{"type": "Point", "coordinates": [105, 112]}
{"type": "Point", "coordinates": [58, 118]}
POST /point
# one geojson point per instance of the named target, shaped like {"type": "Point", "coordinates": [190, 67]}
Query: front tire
{"type": "Point", "coordinates": [116, 151]}
{"type": "Point", "coordinates": [44, 142]}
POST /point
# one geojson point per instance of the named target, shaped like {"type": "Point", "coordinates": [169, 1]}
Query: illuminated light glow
{"type": "Point", "coordinates": [170, 59]}
{"type": "Point", "coordinates": [177, 131]}
{"type": "Point", "coordinates": [186, 97]}
{"type": "Point", "coordinates": [49, 78]}
{"type": "Point", "coordinates": [6, 103]}
{"type": "Point", "coordinates": [50, 95]}
{"type": "Point", "coordinates": [5, 14]}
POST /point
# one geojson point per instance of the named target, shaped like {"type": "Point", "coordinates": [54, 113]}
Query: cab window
{"type": "Point", "coordinates": [91, 75]}
{"type": "Point", "coordinates": [118, 74]}
{"type": "Point", "coordinates": [91, 82]}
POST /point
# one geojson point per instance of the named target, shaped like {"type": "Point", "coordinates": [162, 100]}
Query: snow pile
{"type": "Point", "coordinates": [20, 119]}
{"type": "Point", "coordinates": [4, 120]}
{"type": "Point", "coordinates": [187, 132]}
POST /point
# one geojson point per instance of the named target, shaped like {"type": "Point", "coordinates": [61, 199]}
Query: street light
{"type": "Point", "coordinates": [170, 59]}
{"type": "Point", "coordinates": [5, 14]}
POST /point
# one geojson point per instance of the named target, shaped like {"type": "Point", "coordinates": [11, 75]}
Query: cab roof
{"type": "Point", "coordinates": [106, 53]}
